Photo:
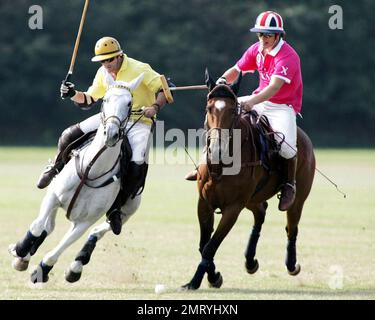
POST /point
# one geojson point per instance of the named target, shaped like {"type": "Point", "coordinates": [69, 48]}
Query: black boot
{"type": "Point", "coordinates": [192, 176]}
{"type": "Point", "coordinates": [49, 173]}
{"type": "Point", "coordinates": [53, 168]}
{"type": "Point", "coordinates": [115, 221]}
{"type": "Point", "coordinates": [134, 180]}
{"type": "Point", "coordinates": [288, 191]}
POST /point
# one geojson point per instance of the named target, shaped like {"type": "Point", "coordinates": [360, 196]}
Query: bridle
{"type": "Point", "coordinates": [121, 124]}
{"type": "Point", "coordinates": [236, 115]}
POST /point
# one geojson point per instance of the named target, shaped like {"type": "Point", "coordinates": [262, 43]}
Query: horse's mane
{"type": "Point", "coordinates": [222, 91]}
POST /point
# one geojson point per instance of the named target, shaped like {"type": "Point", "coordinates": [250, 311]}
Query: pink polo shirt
{"type": "Point", "coordinates": [282, 62]}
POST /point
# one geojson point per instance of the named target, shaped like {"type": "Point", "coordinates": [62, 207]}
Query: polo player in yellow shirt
{"type": "Point", "coordinates": [148, 99]}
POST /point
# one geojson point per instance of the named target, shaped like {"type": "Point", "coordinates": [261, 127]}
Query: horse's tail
{"type": "Point", "coordinates": [306, 163]}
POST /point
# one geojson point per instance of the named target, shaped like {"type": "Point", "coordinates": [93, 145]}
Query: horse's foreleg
{"type": "Point", "coordinates": [228, 219]}
{"type": "Point", "coordinates": [293, 217]}
{"type": "Point", "coordinates": [83, 257]}
{"type": "Point", "coordinates": [206, 223]}
{"type": "Point", "coordinates": [40, 274]}
{"type": "Point", "coordinates": [259, 212]}
{"type": "Point", "coordinates": [28, 245]}
{"type": "Point", "coordinates": [48, 228]}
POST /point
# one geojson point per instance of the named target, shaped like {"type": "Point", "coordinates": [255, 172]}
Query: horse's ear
{"type": "Point", "coordinates": [210, 83]}
{"type": "Point", "coordinates": [235, 86]}
{"type": "Point", "coordinates": [136, 82]}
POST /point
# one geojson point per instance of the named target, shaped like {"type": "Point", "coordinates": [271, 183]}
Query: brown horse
{"type": "Point", "coordinates": [250, 188]}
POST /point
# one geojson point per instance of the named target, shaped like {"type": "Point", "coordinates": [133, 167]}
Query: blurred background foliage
{"type": "Point", "coordinates": [180, 39]}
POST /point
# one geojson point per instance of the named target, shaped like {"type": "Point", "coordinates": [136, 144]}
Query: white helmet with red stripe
{"type": "Point", "coordinates": [269, 22]}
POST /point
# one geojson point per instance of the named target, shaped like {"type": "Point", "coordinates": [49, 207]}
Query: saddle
{"type": "Point", "coordinates": [267, 145]}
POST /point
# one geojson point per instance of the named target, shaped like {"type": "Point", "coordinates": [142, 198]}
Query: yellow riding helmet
{"type": "Point", "coordinates": [106, 48]}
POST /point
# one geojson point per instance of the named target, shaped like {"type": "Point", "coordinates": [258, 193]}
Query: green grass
{"type": "Point", "coordinates": [160, 242]}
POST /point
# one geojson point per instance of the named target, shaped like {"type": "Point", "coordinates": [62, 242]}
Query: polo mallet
{"type": "Point", "coordinates": [78, 39]}
{"type": "Point", "coordinates": [167, 90]}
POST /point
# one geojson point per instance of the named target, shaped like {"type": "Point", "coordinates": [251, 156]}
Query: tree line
{"type": "Point", "coordinates": [180, 39]}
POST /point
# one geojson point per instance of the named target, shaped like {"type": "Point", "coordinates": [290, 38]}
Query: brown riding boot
{"type": "Point", "coordinates": [53, 168]}
{"type": "Point", "coordinates": [192, 176]}
{"type": "Point", "coordinates": [49, 173]}
{"type": "Point", "coordinates": [288, 191]}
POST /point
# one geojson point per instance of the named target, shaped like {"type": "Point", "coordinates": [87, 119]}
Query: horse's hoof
{"type": "Point", "coordinates": [253, 267]}
{"type": "Point", "coordinates": [218, 282]}
{"type": "Point", "coordinates": [19, 264]}
{"type": "Point", "coordinates": [71, 276]}
{"type": "Point", "coordinates": [12, 250]}
{"type": "Point", "coordinates": [38, 276]}
{"type": "Point", "coordinates": [296, 271]}
{"type": "Point", "coordinates": [188, 287]}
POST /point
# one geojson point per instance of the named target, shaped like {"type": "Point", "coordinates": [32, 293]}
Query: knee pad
{"type": "Point", "coordinates": [69, 135]}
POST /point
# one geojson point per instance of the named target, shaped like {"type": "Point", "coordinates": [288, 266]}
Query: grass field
{"type": "Point", "coordinates": [336, 243]}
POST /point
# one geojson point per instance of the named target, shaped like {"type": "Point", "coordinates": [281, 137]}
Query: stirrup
{"type": "Point", "coordinates": [50, 166]}
{"type": "Point", "coordinates": [293, 186]}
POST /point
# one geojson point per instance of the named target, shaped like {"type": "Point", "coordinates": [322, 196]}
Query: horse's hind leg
{"type": "Point", "coordinates": [74, 272]}
{"type": "Point", "coordinates": [293, 218]}
{"type": "Point", "coordinates": [259, 212]}
{"type": "Point", "coordinates": [39, 229]}
{"type": "Point", "coordinates": [40, 274]}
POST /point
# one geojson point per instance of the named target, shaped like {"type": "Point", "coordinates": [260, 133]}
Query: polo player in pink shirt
{"type": "Point", "coordinates": [279, 94]}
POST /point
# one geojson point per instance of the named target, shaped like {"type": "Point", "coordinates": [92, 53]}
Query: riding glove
{"type": "Point", "coordinates": [67, 90]}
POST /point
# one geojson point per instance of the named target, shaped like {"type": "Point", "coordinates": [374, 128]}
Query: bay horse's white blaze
{"type": "Point", "coordinates": [220, 104]}
{"type": "Point", "coordinates": [219, 146]}
{"type": "Point", "coordinates": [91, 203]}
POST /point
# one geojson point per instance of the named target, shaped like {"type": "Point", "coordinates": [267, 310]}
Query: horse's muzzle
{"type": "Point", "coordinates": [112, 135]}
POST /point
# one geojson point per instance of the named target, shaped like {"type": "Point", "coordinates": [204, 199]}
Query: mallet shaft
{"type": "Point", "coordinates": [200, 87]}
{"type": "Point", "coordinates": [78, 39]}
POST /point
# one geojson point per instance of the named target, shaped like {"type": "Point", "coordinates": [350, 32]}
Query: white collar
{"type": "Point", "coordinates": [275, 50]}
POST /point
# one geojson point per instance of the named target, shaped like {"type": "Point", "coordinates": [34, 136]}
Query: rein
{"type": "Point", "coordinates": [80, 175]}
{"type": "Point", "coordinates": [84, 177]}
{"type": "Point", "coordinates": [235, 125]}
{"type": "Point", "coordinates": [83, 181]}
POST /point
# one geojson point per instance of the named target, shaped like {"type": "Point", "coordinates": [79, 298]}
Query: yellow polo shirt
{"type": "Point", "coordinates": [143, 95]}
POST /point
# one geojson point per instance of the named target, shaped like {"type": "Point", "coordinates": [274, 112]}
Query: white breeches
{"type": "Point", "coordinates": [138, 136]}
{"type": "Point", "coordinates": [282, 119]}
